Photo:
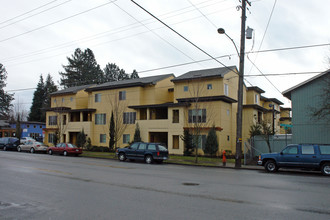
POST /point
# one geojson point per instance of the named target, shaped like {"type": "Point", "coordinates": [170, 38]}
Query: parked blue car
{"type": "Point", "coordinates": [9, 143]}
{"type": "Point", "coordinates": [301, 156]}
{"type": "Point", "coordinates": [149, 152]}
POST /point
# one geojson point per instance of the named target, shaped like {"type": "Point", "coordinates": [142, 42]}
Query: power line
{"type": "Point", "coordinates": [28, 12]}
{"type": "Point", "coordinates": [58, 21]}
{"type": "Point", "coordinates": [180, 35]}
{"type": "Point", "coordinates": [35, 14]}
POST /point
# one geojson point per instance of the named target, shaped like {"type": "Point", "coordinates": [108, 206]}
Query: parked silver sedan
{"type": "Point", "coordinates": [32, 147]}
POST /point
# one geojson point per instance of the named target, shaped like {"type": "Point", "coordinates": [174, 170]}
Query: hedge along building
{"type": "Point", "coordinates": [163, 106]}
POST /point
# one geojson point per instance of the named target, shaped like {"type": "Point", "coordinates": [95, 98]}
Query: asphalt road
{"type": "Point", "coordinates": [36, 186]}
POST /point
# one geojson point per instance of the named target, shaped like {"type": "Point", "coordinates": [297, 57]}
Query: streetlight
{"type": "Point", "coordinates": [222, 31]}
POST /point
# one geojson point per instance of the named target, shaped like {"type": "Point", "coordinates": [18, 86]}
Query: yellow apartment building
{"type": "Point", "coordinates": [163, 106]}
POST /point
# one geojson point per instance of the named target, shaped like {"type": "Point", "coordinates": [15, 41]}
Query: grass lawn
{"type": "Point", "coordinates": [202, 161]}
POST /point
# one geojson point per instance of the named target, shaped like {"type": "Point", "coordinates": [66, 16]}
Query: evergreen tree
{"type": "Point", "coordinates": [111, 72]}
{"type": "Point", "coordinates": [50, 87]}
{"type": "Point", "coordinates": [81, 70]}
{"type": "Point", "coordinates": [37, 102]}
{"type": "Point", "coordinates": [188, 142]}
{"type": "Point", "coordinates": [137, 135]}
{"type": "Point", "coordinates": [134, 75]}
{"type": "Point", "coordinates": [211, 145]}
{"type": "Point", "coordinates": [112, 132]}
{"type": "Point", "coordinates": [81, 139]}
{"type": "Point", "coordinates": [123, 75]}
{"type": "Point", "coordinates": [5, 98]}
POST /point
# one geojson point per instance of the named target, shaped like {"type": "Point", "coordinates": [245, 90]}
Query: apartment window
{"type": "Point", "coordinates": [64, 119]}
{"type": "Point", "coordinates": [200, 140]}
{"type": "Point", "coordinates": [185, 88]}
{"type": "Point", "coordinates": [257, 99]}
{"type": "Point", "coordinates": [71, 99]}
{"type": "Point", "coordinates": [98, 97]}
{"type": "Point", "coordinates": [52, 120]}
{"type": "Point", "coordinates": [175, 142]}
{"type": "Point", "coordinates": [228, 112]}
{"type": "Point", "coordinates": [103, 138]}
{"type": "Point", "coordinates": [54, 100]}
{"type": "Point", "coordinates": [52, 138]}
{"type": "Point", "coordinates": [100, 119]}
{"type": "Point", "coordinates": [226, 89]}
{"type": "Point", "coordinates": [209, 86]}
{"type": "Point", "coordinates": [175, 116]}
{"type": "Point", "coordinates": [62, 100]}
{"type": "Point", "coordinates": [129, 118]}
{"type": "Point", "coordinates": [197, 116]}
{"type": "Point", "coordinates": [126, 138]}
{"type": "Point", "coordinates": [122, 95]}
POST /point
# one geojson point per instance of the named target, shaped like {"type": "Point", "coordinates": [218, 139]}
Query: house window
{"type": "Point", "coordinates": [122, 95]}
{"type": "Point", "coordinates": [52, 138]}
{"type": "Point", "coordinates": [64, 120]}
{"type": "Point", "coordinates": [27, 126]}
{"type": "Point", "coordinates": [200, 140]}
{"type": "Point", "coordinates": [62, 100]}
{"type": "Point", "coordinates": [126, 138]}
{"type": "Point", "coordinates": [185, 88]}
{"type": "Point", "coordinates": [98, 97]}
{"type": "Point", "coordinates": [175, 142]}
{"type": "Point", "coordinates": [54, 100]}
{"type": "Point", "coordinates": [209, 86]}
{"type": "Point", "coordinates": [100, 119]}
{"type": "Point", "coordinates": [129, 118]}
{"type": "Point", "coordinates": [197, 116]}
{"type": "Point", "coordinates": [175, 116]}
{"type": "Point", "coordinates": [257, 99]}
{"type": "Point", "coordinates": [103, 138]}
{"type": "Point", "coordinates": [226, 89]}
{"type": "Point", "coordinates": [71, 99]}
{"type": "Point", "coordinates": [52, 120]}
{"type": "Point", "coordinates": [228, 112]}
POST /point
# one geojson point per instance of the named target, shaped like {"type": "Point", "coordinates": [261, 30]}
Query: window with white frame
{"type": "Point", "coordinates": [226, 89]}
{"type": "Point", "coordinates": [100, 119]}
{"type": "Point", "coordinates": [103, 138]}
{"type": "Point", "coordinates": [126, 138]}
{"type": "Point", "coordinates": [197, 116]}
{"type": "Point", "coordinates": [98, 97]}
{"type": "Point", "coordinates": [129, 118]}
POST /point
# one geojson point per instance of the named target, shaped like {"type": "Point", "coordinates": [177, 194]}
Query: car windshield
{"type": "Point", "coordinates": [71, 145]}
{"type": "Point", "coordinates": [162, 148]}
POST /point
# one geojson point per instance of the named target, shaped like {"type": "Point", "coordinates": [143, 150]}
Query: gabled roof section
{"type": "Point", "coordinates": [255, 88]}
{"type": "Point", "coordinates": [206, 73]}
{"type": "Point", "coordinates": [287, 93]}
{"type": "Point", "coordinates": [71, 90]}
{"type": "Point", "coordinates": [271, 100]}
{"type": "Point", "coordinates": [151, 80]}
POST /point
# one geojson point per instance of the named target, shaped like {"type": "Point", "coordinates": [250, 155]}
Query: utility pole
{"type": "Point", "coordinates": [238, 162]}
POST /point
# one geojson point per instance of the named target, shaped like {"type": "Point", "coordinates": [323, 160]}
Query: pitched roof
{"type": "Point", "coordinates": [287, 93]}
{"type": "Point", "coordinates": [271, 100]}
{"type": "Point", "coordinates": [255, 88]}
{"type": "Point", "coordinates": [71, 90]}
{"type": "Point", "coordinates": [151, 80]}
{"type": "Point", "coordinates": [206, 73]}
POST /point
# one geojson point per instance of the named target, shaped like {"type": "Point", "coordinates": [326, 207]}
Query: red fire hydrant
{"type": "Point", "coordinates": [224, 160]}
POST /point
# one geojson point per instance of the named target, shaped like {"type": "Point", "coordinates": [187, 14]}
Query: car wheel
{"type": "Point", "coordinates": [122, 157]}
{"type": "Point", "coordinates": [65, 153]}
{"type": "Point", "coordinates": [32, 150]}
{"type": "Point", "coordinates": [19, 149]}
{"type": "Point", "coordinates": [271, 166]}
{"type": "Point", "coordinates": [5, 148]}
{"type": "Point", "coordinates": [326, 169]}
{"type": "Point", "coordinates": [148, 159]}
{"type": "Point", "coordinates": [50, 152]}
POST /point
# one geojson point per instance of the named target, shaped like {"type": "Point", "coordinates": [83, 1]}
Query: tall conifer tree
{"type": "Point", "coordinates": [5, 98]}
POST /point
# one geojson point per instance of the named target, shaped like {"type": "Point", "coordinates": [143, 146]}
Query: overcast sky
{"type": "Point", "coordinates": [36, 36]}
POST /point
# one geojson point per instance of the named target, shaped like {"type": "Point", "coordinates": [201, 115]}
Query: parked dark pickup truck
{"type": "Point", "coordinates": [303, 156]}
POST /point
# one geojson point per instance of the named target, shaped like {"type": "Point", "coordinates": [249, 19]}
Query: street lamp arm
{"type": "Point", "coordinates": [233, 43]}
